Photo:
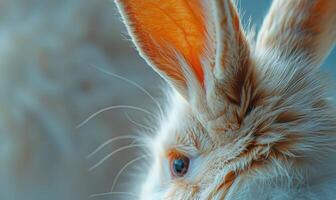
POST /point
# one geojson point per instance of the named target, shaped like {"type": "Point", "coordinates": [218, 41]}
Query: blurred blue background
{"type": "Point", "coordinates": [55, 60]}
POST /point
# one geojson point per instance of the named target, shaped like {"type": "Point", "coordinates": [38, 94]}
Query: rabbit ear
{"type": "Point", "coordinates": [184, 40]}
{"type": "Point", "coordinates": [231, 45]}
{"type": "Point", "coordinates": [167, 32]}
{"type": "Point", "coordinates": [233, 68]}
{"type": "Point", "coordinates": [307, 27]}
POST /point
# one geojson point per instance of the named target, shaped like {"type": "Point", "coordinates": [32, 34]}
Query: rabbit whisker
{"type": "Point", "coordinates": [132, 83]}
{"type": "Point", "coordinates": [113, 193]}
{"type": "Point", "coordinates": [124, 168]}
{"type": "Point", "coordinates": [123, 137]}
{"type": "Point", "coordinates": [113, 153]}
{"type": "Point", "coordinates": [112, 108]}
{"type": "Point", "coordinates": [137, 123]}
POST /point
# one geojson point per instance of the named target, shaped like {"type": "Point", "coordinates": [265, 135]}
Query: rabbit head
{"type": "Point", "coordinates": [246, 118]}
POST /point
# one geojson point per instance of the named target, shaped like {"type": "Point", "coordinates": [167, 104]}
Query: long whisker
{"type": "Point", "coordinates": [132, 83]}
{"type": "Point", "coordinates": [124, 168]}
{"type": "Point", "coordinates": [109, 142]}
{"type": "Point", "coordinates": [113, 193]}
{"type": "Point", "coordinates": [112, 108]}
{"type": "Point", "coordinates": [114, 152]}
{"type": "Point", "coordinates": [137, 123]}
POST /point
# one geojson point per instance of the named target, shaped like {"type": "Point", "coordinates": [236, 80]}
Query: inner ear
{"type": "Point", "coordinates": [239, 80]}
{"type": "Point", "coordinates": [198, 46]}
{"type": "Point", "coordinates": [171, 35]}
{"type": "Point", "coordinates": [234, 72]}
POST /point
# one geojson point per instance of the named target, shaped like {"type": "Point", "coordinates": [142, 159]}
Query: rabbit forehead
{"type": "Point", "coordinates": [181, 130]}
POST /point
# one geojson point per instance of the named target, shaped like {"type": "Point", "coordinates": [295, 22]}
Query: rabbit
{"type": "Point", "coordinates": [248, 117]}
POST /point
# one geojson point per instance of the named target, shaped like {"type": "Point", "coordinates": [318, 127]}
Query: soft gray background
{"type": "Point", "coordinates": [49, 82]}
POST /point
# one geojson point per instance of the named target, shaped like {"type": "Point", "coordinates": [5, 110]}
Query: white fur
{"type": "Point", "coordinates": [305, 170]}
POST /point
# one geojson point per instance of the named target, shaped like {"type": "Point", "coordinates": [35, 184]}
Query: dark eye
{"type": "Point", "coordinates": [179, 166]}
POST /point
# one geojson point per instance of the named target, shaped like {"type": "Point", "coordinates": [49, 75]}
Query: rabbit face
{"type": "Point", "coordinates": [208, 171]}
{"type": "Point", "coordinates": [260, 145]}
{"type": "Point", "coordinates": [245, 119]}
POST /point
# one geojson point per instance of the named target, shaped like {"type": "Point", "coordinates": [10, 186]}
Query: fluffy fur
{"type": "Point", "coordinates": [258, 124]}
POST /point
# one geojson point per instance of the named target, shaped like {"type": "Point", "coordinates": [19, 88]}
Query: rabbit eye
{"type": "Point", "coordinates": [179, 166]}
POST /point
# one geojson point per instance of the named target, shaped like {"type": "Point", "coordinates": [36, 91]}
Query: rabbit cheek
{"type": "Point", "coordinates": [152, 187]}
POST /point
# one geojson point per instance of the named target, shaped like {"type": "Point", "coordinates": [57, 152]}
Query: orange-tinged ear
{"type": "Point", "coordinates": [198, 46]}
{"type": "Point", "coordinates": [167, 30]}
